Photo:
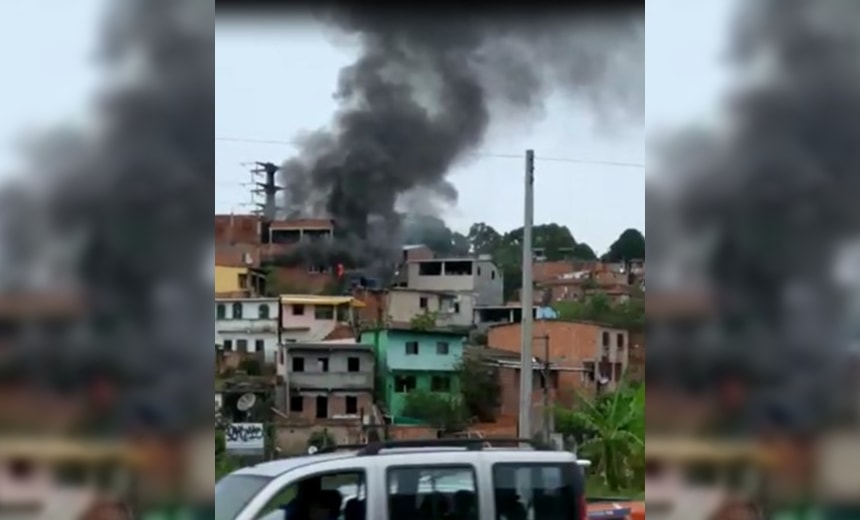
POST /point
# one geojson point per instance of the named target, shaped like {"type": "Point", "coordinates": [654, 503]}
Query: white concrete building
{"type": "Point", "coordinates": [248, 325]}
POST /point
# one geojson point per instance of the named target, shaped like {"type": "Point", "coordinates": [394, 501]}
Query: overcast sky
{"type": "Point", "coordinates": [274, 82]}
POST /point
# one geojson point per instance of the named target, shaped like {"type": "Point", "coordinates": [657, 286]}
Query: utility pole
{"type": "Point", "coordinates": [527, 297]}
{"type": "Point", "coordinates": [268, 188]}
{"type": "Point", "coordinates": [547, 413]}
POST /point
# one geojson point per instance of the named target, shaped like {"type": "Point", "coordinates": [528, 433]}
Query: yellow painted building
{"type": "Point", "coordinates": [238, 279]}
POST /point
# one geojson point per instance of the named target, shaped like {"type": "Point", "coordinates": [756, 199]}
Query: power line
{"type": "Point", "coordinates": [619, 164]}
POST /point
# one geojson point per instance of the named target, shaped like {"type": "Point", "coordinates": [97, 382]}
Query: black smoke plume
{"type": "Point", "coordinates": [422, 95]}
{"type": "Point", "coordinates": [772, 200]}
{"type": "Point", "coordinates": [124, 210]}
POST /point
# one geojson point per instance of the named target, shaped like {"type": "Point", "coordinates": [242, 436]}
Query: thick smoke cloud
{"type": "Point", "coordinates": [774, 194]}
{"type": "Point", "coordinates": [422, 95]}
{"type": "Point", "coordinates": [124, 209]}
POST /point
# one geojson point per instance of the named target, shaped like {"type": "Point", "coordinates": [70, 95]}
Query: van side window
{"type": "Point", "coordinates": [332, 495]}
{"type": "Point", "coordinates": [432, 492]}
{"type": "Point", "coordinates": [545, 491]}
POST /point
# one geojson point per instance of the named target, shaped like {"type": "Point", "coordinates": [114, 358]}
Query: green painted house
{"type": "Point", "coordinates": [409, 360]}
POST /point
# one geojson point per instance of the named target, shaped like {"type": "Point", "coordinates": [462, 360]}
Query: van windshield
{"type": "Point", "coordinates": [233, 493]}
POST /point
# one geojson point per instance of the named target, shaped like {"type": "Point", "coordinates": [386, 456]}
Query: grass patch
{"type": "Point", "coordinates": [596, 488]}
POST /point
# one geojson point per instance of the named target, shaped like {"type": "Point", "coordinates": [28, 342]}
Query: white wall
{"type": "Point", "coordinates": [250, 328]}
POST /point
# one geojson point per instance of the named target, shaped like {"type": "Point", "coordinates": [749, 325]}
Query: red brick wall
{"type": "Point", "coordinates": [241, 229]}
{"type": "Point", "coordinates": [374, 305]}
{"type": "Point", "coordinates": [418, 253]}
{"type": "Point", "coordinates": [336, 406]}
{"type": "Point", "coordinates": [545, 271]}
{"type": "Point", "coordinates": [411, 432]}
{"type": "Point", "coordinates": [509, 378]}
{"type": "Point", "coordinates": [297, 280]}
{"type": "Point", "coordinates": [569, 345]}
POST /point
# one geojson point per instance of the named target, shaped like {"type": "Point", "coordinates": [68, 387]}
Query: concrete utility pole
{"type": "Point", "coordinates": [526, 293]}
{"type": "Point", "coordinates": [548, 425]}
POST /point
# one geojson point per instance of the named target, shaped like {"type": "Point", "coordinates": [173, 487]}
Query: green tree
{"type": "Point", "coordinates": [583, 251]}
{"type": "Point", "coordinates": [479, 385]}
{"type": "Point", "coordinates": [251, 367]}
{"type": "Point", "coordinates": [320, 439]}
{"type": "Point", "coordinates": [445, 413]}
{"type": "Point", "coordinates": [424, 321]}
{"type": "Point", "coordinates": [611, 433]}
{"type": "Point", "coordinates": [556, 241]}
{"type": "Point", "coordinates": [483, 239]}
{"type": "Point", "coordinates": [629, 315]}
{"type": "Point", "coordinates": [630, 245]}
{"type": "Point", "coordinates": [224, 463]}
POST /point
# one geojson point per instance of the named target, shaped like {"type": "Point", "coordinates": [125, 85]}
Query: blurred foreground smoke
{"type": "Point", "coordinates": [752, 222]}
{"type": "Point", "coordinates": [105, 302]}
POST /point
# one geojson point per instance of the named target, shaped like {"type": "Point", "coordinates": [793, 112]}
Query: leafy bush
{"type": "Point", "coordinates": [610, 431]}
{"type": "Point", "coordinates": [251, 366]}
{"type": "Point", "coordinates": [446, 413]}
{"type": "Point", "coordinates": [321, 439]}
{"type": "Point", "coordinates": [479, 385]}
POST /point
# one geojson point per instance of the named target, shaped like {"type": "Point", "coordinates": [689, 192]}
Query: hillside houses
{"type": "Point", "coordinates": [344, 355]}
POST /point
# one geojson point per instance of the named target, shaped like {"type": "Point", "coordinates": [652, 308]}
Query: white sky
{"type": "Point", "coordinates": [272, 83]}
{"type": "Point", "coordinates": [275, 81]}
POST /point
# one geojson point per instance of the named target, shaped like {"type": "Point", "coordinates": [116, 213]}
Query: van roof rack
{"type": "Point", "coordinates": [473, 444]}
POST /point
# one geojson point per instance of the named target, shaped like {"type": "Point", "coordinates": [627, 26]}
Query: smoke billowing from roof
{"type": "Point", "coordinates": [135, 196]}
{"type": "Point", "coordinates": [778, 195]}
{"type": "Point", "coordinates": [422, 95]}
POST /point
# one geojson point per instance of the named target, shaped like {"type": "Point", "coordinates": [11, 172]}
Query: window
{"type": "Point", "coordinates": [351, 404]}
{"type": "Point", "coordinates": [588, 375]}
{"type": "Point", "coordinates": [433, 492]}
{"type": "Point", "coordinates": [263, 312]}
{"type": "Point", "coordinates": [492, 275]}
{"type": "Point", "coordinates": [281, 356]}
{"type": "Point", "coordinates": [220, 311]}
{"type": "Point", "coordinates": [422, 302]}
{"type": "Point", "coordinates": [411, 348]}
{"type": "Point", "coordinates": [297, 403]}
{"type": "Point", "coordinates": [343, 313]}
{"type": "Point", "coordinates": [237, 311]}
{"type": "Point", "coordinates": [314, 269]}
{"type": "Point", "coordinates": [403, 384]}
{"type": "Point", "coordinates": [240, 489]}
{"type": "Point", "coordinates": [298, 310]}
{"type": "Point", "coordinates": [353, 364]}
{"type": "Point", "coordinates": [442, 348]}
{"type": "Point", "coordinates": [322, 364]}
{"type": "Point", "coordinates": [605, 339]}
{"type": "Point", "coordinates": [259, 345]}
{"type": "Point", "coordinates": [618, 371]}
{"type": "Point", "coordinates": [242, 345]}
{"type": "Point", "coordinates": [322, 407]}
{"type": "Point", "coordinates": [456, 307]}
{"type": "Point", "coordinates": [545, 491]}
{"type": "Point", "coordinates": [228, 344]}
{"type": "Point", "coordinates": [619, 340]}
{"type": "Point", "coordinates": [298, 364]}
{"type": "Point", "coordinates": [323, 312]}
{"type": "Point", "coordinates": [440, 384]}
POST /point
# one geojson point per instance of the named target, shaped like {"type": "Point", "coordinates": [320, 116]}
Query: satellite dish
{"type": "Point", "coordinates": [246, 402]}
{"type": "Point", "coordinates": [312, 450]}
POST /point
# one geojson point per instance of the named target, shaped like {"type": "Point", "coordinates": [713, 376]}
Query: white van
{"type": "Point", "coordinates": [462, 479]}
